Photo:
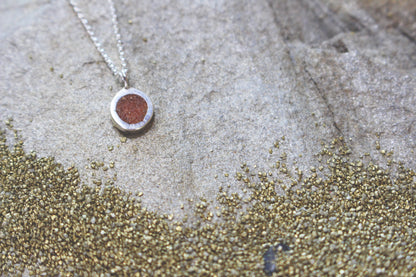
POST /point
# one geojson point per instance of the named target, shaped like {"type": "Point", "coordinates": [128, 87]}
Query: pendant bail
{"type": "Point", "coordinates": [125, 80]}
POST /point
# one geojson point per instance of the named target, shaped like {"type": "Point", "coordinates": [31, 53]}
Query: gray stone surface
{"type": "Point", "coordinates": [227, 78]}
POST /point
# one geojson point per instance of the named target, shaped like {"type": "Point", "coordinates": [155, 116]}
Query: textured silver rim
{"type": "Point", "coordinates": [124, 126]}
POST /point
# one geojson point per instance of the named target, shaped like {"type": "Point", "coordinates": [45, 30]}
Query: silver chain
{"type": "Point", "coordinates": [122, 72]}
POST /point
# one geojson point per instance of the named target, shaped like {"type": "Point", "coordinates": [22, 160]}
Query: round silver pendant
{"type": "Point", "coordinates": [131, 110]}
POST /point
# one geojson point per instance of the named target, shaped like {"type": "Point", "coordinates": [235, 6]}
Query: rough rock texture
{"type": "Point", "coordinates": [227, 79]}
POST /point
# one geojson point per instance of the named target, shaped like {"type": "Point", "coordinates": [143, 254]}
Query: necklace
{"type": "Point", "coordinates": [131, 109]}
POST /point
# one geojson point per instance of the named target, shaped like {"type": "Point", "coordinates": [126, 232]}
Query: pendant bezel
{"type": "Point", "coordinates": [121, 124]}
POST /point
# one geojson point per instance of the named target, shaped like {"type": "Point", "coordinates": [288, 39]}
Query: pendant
{"type": "Point", "coordinates": [131, 110]}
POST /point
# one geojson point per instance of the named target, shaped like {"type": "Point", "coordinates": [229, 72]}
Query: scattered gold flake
{"type": "Point", "coordinates": [358, 220]}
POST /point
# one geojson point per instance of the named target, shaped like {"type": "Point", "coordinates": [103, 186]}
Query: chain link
{"type": "Point", "coordinates": [122, 72]}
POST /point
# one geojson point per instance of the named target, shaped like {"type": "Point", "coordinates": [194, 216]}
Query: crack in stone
{"type": "Point", "coordinates": [275, 20]}
{"type": "Point", "coordinates": [331, 112]}
{"type": "Point", "coordinates": [407, 35]}
{"type": "Point", "coordinates": [327, 21]}
{"type": "Point", "coordinates": [286, 42]}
